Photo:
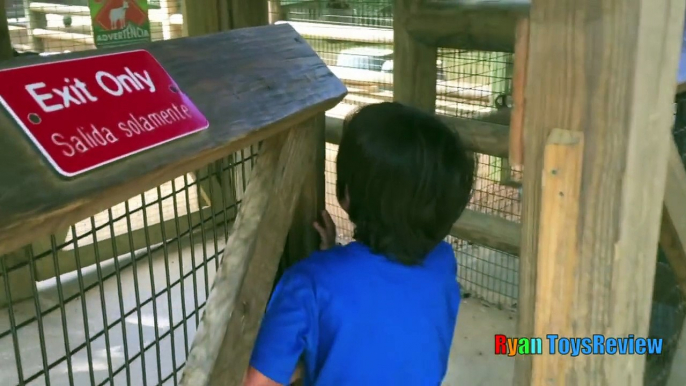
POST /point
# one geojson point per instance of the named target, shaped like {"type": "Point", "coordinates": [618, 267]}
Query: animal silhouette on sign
{"type": "Point", "coordinates": [118, 16]}
{"type": "Point", "coordinates": [115, 14]}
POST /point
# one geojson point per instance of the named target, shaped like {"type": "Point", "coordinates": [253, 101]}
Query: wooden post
{"type": "Point", "coordinates": [222, 346]}
{"type": "Point", "coordinates": [169, 30]}
{"type": "Point", "coordinates": [202, 17]}
{"type": "Point", "coordinates": [274, 11]}
{"type": "Point", "coordinates": [6, 51]}
{"type": "Point", "coordinates": [34, 20]}
{"type": "Point", "coordinates": [606, 68]}
{"type": "Point", "coordinates": [414, 62]}
{"type": "Point", "coordinates": [251, 13]}
{"type": "Point", "coordinates": [558, 252]}
{"type": "Point", "coordinates": [200, 20]}
{"type": "Point", "coordinates": [521, 57]}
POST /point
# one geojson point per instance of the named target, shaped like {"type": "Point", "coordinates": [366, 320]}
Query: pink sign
{"type": "Point", "coordinates": [86, 113]}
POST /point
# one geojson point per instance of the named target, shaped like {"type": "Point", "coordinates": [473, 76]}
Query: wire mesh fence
{"type": "Point", "coordinates": [355, 38]}
{"type": "Point", "coordinates": [116, 298]}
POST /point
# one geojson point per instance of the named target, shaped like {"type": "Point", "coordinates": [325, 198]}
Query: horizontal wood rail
{"type": "Point", "coordinates": [478, 136]}
{"type": "Point", "coordinates": [488, 230]}
{"type": "Point", "coordinates": [469, 25]}
{"type": "Point", "coordinates": [249, 84]}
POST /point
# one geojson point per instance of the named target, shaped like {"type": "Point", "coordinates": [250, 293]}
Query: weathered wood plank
{"type": "Point", "coordinates": [247, 82]}
{"type": "Point", "coordinates": [251, 13]}
{"type": "Point", "coordinates": [202, 17]}
{"type": "Point", "coordinates": [275, 11]}
{"type": "Point", "coordinates": [223, 300]}
{"type": "Point", "coordinates": [241, 288]}
{"type": "Point", "coordinates": [558, 251]}
{"type": "Point", "coordinates": [294, 162]}
{"type": "Point", "coordinates": [606, 68]}
{"type": "Point", "coordinates": [521, 57]}
{"type": "Point", "coordinates": [478, 136]}
{"type": "Point", "coordinates": [471, 27]}
{"type": "Point", "coordinates": [488, 230]}
{"type": "Point", "coordinates": [414, 63]}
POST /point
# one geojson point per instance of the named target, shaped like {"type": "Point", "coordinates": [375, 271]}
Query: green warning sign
{"type": "Point", "coordinates": [118, 22]}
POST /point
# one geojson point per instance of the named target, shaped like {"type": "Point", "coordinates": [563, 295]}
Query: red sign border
{"type": "Point", "coordinates": [47, 156]}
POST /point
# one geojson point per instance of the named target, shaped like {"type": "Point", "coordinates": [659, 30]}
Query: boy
{"type": "Point", "coordinates": [382, 309]}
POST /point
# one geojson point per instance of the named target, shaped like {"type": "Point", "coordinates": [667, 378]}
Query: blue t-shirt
{"type": "Point", "coordinates": [359, 319]}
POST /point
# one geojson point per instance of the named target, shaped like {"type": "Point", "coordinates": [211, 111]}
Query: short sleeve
{"type": "Point", "coordinates": [286, 328]}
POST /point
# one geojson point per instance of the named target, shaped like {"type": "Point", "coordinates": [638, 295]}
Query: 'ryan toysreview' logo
{"type": "Point", "coordinates": [595, 345]}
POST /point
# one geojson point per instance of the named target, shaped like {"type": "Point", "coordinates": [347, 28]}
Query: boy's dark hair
{"type": "Point", "coordinates": [407, 176]}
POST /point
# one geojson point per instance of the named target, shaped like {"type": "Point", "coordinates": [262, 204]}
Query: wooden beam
{"type": "Point", "coordinates": [414, 62]}
{"type": "Point", "coordinates": [169, 29]}
{"type": "Point", "coordinates": [274, 11]}
{"type": "Point", "coordinates": [488, 230]}
{"type": "Point", "coordinates": [223, 343]}
{"type": "Point", "coordinates": [34, 20]}
{"type": "Point", "coordinates": [469, 27]}
{"type": "Point", "coordinates": [202, 17]}
{"type": "Point", "coordinates": [606, 68]}
{"type": "Point", "coordinates": [558, 252]}
{"type": "Point", "coordinates": [248, 83]}
{"type": "Point", "coordinates": [251, 13]}
{"type": "Point", "coordinates": [521, 57]}
{"type": "Point", "coordinates": [478, 136]}
{"type": "Point", "coordinates": [241, 14]}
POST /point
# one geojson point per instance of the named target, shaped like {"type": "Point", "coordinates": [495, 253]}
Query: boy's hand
{"type": "Point", "coordinates": [327, 231]}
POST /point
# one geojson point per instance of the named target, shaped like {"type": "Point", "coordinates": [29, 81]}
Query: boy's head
{"type": "Point", "coordinates": [404, 178]}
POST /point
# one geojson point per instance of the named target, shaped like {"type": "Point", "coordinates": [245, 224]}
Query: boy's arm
{"type": "Point", "coordinates": [289, 325]}
{"type": "Point", "coordinates": [255, 378]}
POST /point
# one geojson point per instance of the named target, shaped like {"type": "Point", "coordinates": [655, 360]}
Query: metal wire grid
{"type": "Point", "coordinates": [129, 318]}
{"type": "Point", "coordinates": [474, 81]}
{"type": "Point", "coordinates": [57, 26]}
{"type": "Point", "coordinates": [367, 13]}
{"type": "Point", "coordinates": [469, 83]}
